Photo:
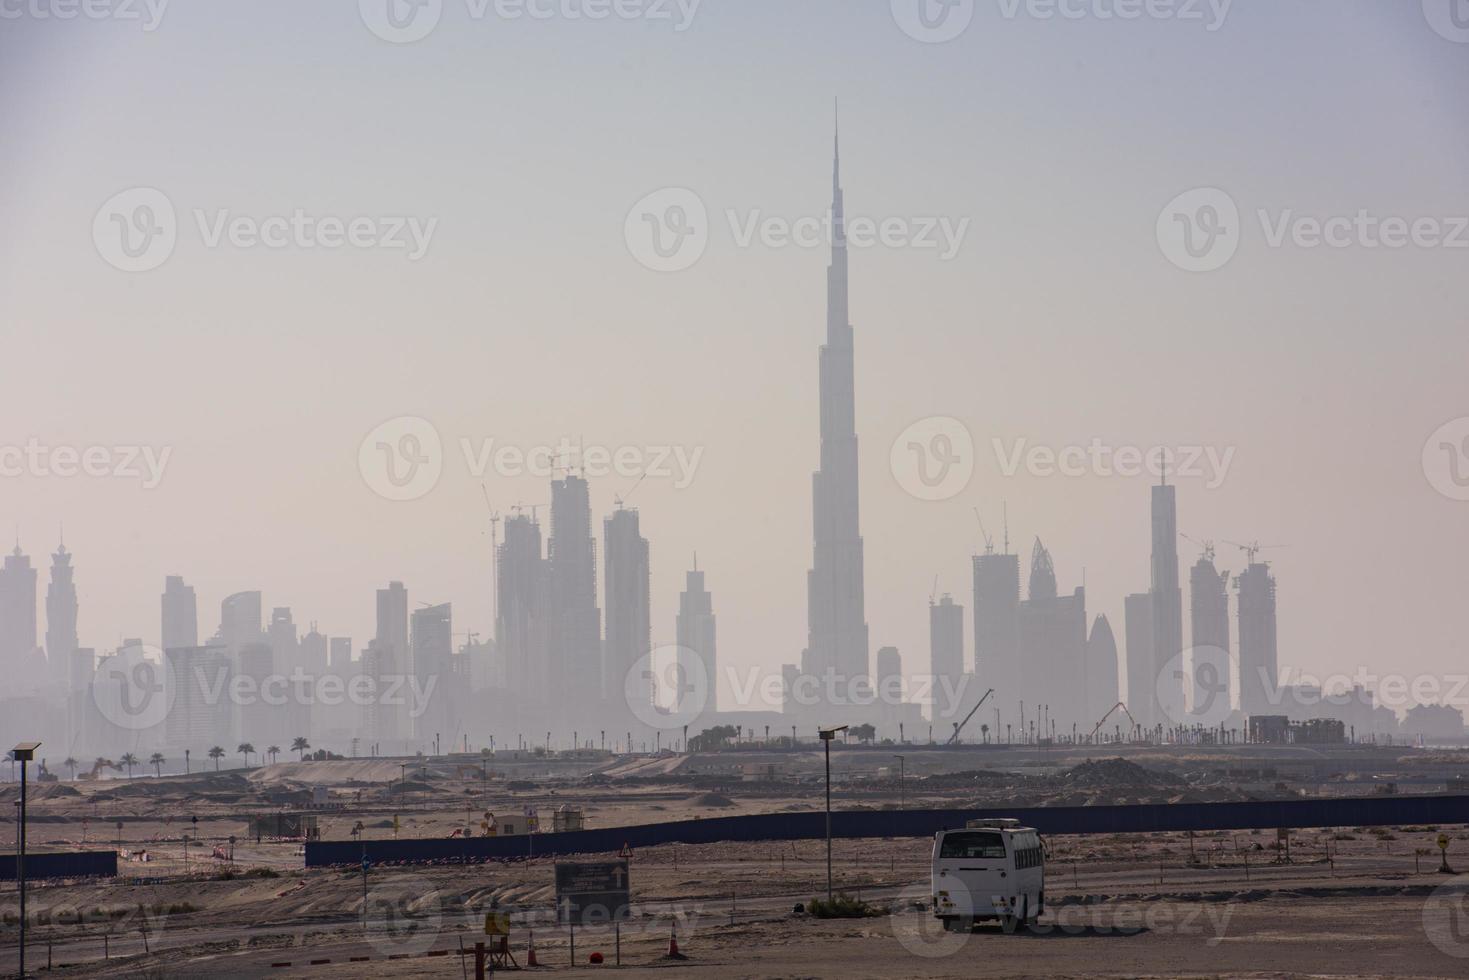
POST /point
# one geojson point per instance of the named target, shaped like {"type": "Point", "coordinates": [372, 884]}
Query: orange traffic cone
{"type": "Point", "coordinates": [673, 953]}
{"type": "Point", "coordinates": [530, 954]}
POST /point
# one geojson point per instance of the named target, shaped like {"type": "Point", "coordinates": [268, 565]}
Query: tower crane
{"type": "Point", "coordinates": [1254, 548]}
{"type": "Point", "coordinates": [959, 726]}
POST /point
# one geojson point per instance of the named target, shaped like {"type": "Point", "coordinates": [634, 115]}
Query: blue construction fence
{"type": "Point", "coordinates": [73, 864]}
{"type": "Point", "coordinates": [1373, 811]}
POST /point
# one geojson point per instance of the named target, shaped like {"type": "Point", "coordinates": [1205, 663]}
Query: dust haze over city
{"type": "Point", "coordinates": [595, 405]}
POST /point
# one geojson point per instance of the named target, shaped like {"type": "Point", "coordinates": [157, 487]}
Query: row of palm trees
{"type": "Point", "coordinates": [299, 745]}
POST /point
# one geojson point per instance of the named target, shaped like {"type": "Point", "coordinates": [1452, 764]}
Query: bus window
{"type": "Point", "coordinates": [973, 844]}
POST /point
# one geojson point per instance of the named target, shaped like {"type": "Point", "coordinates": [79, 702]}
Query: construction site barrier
{"type": "Point", "coordinates": [76, 864]}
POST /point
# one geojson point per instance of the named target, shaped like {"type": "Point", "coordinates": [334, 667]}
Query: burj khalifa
{"type": "Point", "coordinates": [837, 641]}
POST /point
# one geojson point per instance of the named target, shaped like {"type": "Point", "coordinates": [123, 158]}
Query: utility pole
{"type": "Point", "coordinates": [23, 753]}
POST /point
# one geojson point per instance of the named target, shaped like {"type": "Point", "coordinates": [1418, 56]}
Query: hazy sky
{"type": "Point", "coordinates": [528, 320]}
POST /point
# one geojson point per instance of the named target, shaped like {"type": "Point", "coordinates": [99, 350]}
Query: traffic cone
{"type": "Point", "coordinates": [530, 954]}
{"type": "Point", "coordinates": [673, 953]}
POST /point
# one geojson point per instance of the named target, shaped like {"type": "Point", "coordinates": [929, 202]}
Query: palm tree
{"type": "Point", "coordinates": [273, 751]}
{"type": "Point", "coordinates": [984, 731]}
{"type": "Point", "coordinates": [245, 749]}
{"type": "Point", "coordinates": [156, 760]}
{"type": "Point", "coordinates": [300, 745]}
{"type": "Point", "coordinates": [129, 760]}
{"type": "Point", "coordinates": [216, 754]}
{"type": "Point", "coordinates": [71, 764]}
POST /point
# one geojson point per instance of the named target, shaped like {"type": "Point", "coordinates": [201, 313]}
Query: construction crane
{"type": "Point", "coordinates": [1254, 548]}
{"type": "Point", "coordinates": [1206, 546]}
{"type": "Point", "coordinates": [1108, 716]}
{"type": "Point", "coordinates": [989, 542]}
{"type": "Point", "coordinates": [959, 725]}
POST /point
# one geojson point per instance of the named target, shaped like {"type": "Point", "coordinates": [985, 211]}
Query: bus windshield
{"type": "Point", "coordinates": [973, 844]}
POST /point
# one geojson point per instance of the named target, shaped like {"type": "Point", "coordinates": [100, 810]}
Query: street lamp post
{"type": "Point", "coordinates": [902, 794]}
{"type": "Point", "coordinates": [23, 753]}
{"type": "Point", "coordinates": [827, 734]}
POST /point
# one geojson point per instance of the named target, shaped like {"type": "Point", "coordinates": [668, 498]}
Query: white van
{"type": "Point", "coordinates": [992, 869]}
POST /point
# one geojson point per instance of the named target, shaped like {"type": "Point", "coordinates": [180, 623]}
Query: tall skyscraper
{"type": "Point", "coordinates": [61, 617]}
{"type": "Point", "coordinates": [1141, 678]}
{"type": "Point", "coordinates": [997, 632]}
{"type": "Point", "coordinates": [837, 640]}
{"type": "Point", "coordinates": [695, 629]}
{"type": "Point", "coordinates": [180, 614]}
{"type": "Point", "coordinates": [433, 654]}
{"type": "Point", "coordinates": [1053, 652]}
{"type": "Point", "coordinates": [1101, 673]}
{"type": "Point", "coordinates": [340, 656]}
{"type": "Point", "coordinates": [1259, 667]}
{"type": "Point", "coordinates": [1209, 667]}
{"type": "Point", "coordinates": [240, 618]}
{"type": "Point", "coordinates": [390, 658]}
{"type": "Point", "coordinates": [629, 635]}
{"type": "Point", "coordinates": [946, 659]}
{"type": "Point", "coordinates": [576, 621]}
{"type": "Point", "coordinates": [523, 608]}
{"type": "Point", "coordinates": [1168, 707]}
{"type": "Point", "coordinates": [17, 610]}
{"type": "Point", "coordinates": [197, 720]}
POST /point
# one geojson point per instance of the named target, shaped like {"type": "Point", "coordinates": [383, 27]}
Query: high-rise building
{"type": "Point", "coordinates": [197, 720]}
{"type": "Point", "coordinates": [1101, 674]}
{"type": "Point", "coordinates": [433, 654]}
{"type": "Point", "coordinates": [17, 611]}
{"type": "Point", "coordinates": [997, 631]}
{"type": "Point", "coordinates": [1168, 706]}
{"type": "Point", "coordinates": [391, 661]}
{"type": "Point", "coordinates": [695, 630]}
{"type": "Point", "coordinates": [1209, 667]}
{"type": "Point", "coordinates": [946, 659]}
{"type": "Point", "coordinates": [575, 654]}
{"type": "Point", "coordinates": [340, 656]}
{"type": "Point", "coordinates": [240, 618]}
{"type": "Point", "coordinates": [180, 614]}
{"type": "Point", "coordinates": [629, 628]}
{"type": "Point", "coordinates": [1052, 652]}
{"type": "Point", "coordinates": [523, 610]}
{"type": "Point", "coordinates": [1141, 679]}
{"type": "Point", "coordinates": [837, 638]}
{"type": "Point", "coordinates": [61, 617]}
{"type": "Point", "coordinates": [1259, 667]}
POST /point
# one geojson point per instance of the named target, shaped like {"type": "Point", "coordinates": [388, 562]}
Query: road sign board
{"type": "Point", "coordinates": [592, 892]}
{"type": "Point", "coordinates": [1443, 842]}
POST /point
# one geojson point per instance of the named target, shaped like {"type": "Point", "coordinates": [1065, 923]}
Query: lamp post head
{"type": "Point", "coordinates": [25, 751]}
{"type": "Point", "coordinates": [828, 734]}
